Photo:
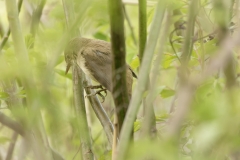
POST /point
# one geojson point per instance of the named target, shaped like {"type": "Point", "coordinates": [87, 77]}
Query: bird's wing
{"type": "Point", "coordinates": [99, 62]}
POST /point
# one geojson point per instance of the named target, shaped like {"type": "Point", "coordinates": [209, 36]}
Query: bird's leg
{"type": "Point", "coordinates": [98, 92]}
{"type": "Point", "coordinates": [94, 87]}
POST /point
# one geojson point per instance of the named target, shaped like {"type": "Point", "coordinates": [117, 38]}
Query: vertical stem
{"type": "Point", "coordinates": [184, 91]}
{"type": "Point", "coordinates": [11, 146]}
{"type": "Point", "coordinates": [142, 18]}
{"type": "Point", "coordinates": [188, 39]}
{"type": "Point", "coordinates": [120, 94]}
{"type": "Point", "coordinates": [142, 82]}
{"type": "Point", "coordinates": [147, 128]}
{"type": "Point", "coordinates": [81, 115]}
{"type": "Point", "coordinates": [225, 12]}
{"type": "Point", "coordinates": [130, 25]}
{"type": "Point", "coordinates": [78, 92]}
{"type": "Point", "coordinates": [6, 35]}
{"type": "Point", "coordinates": [37, 13]}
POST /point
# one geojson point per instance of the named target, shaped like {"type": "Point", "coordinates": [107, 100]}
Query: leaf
{"type": "Point", "coordinates": [167, 92]}
{"type": "Point", "coordinates": [4, 95]}
{"type": "Point", "coordinates": [100, 35]}
{"type": "Point", "coordinates": [168, 60]}
{"type": "Point", "coordinates": [22, 92]}
{"type": "Point", "coordinates": [135, 63]}
{"type": "Point", "coordinates": [162, 118]}
{"type": "Point", "coordinates": [62, 73]}
{"type": "Point", "coordinates": [29, 40]}
{"type": "Point", "coordinates": [137, 126]}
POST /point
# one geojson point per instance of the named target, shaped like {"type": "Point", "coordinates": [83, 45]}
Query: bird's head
{"type": "Point", "coordinates": [70, 52]}
{"type": "Point", "coordinates": [73, 48]}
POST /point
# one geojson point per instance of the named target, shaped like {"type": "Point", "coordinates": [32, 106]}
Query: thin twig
{"type": "Point", "coordinates": [100, 112]}
{"type": "Point", "coordinates": [12, 124]}
{"type": "Point", "coordinates": [11, 146]}
{"type": "Point", "coordinates": [130, 25]}
{"type": "Point", "coordinates": [186, 92]}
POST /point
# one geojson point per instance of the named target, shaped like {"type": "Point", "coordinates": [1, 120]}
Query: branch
{"type": "Point", "coordinates": [78, 92]}
{"type": "Point", "coordinates": [100, 112]}
{"type": "Point", "coordinates": [187, 47]}
{"type": "Point", "coordinates": [146, 126]}
{"type": "Point", "coordinates": [12, 124]}
{"type": "Point", "coordinates": [120, 94]}
{"type": "Point", "coordinates": [130, 25]}
{"type": "Point", "coordinates": [186, 93]}
{"type": "Point", "coordinates": [142, 81]}
{"type": "Point", "coordinates": [26, 77]}
{"type": "Point", "coordinates": [188, 39]}
{"type": "Point", "coordinates": [12, 146]}
{"type": "Point", "coordinates": [81, 114]}
{"type": "Point", "coordinates": [36, 16]}
{"type": "Point", "coordinates": [223, 25]}
{"type": "Point", "coordinates": [5, 38]}
{"type": "Point", "coordinates": [142, 18]}
{"type": "Point", "coordinates": [149, 128]}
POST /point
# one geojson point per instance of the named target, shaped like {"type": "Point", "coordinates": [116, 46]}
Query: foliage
{"type": "Point", "coordinates": [210, 125]}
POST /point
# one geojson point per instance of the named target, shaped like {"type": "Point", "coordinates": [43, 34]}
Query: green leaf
{"type": "Point", "coordinates": [29, 40]}
{"type": "Point", "coordinates": [22, 92]}
{"type": "Point", "coordinates": [168, 60]}
{"type": "Point", "coordinates": [62, 73]}
{"type": "Point", "coordinates": [167, 92]}
{"type": "Point", "coordinates": [4, 95]}
{"type": "Point", "coordinates": [162, 118]}
{"type": "Point", "coordinates": [135, 63]}
{"type": "Point", "coordinates": [100, 35]}
{"type": "Point", "coordinates": [137, 126]}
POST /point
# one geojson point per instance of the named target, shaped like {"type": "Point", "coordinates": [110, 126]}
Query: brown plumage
{"type": "Point", "coordinates": [94, 57]}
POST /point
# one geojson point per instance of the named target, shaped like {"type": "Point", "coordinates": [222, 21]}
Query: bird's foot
{"type": "Point", "coordinates": [95, 87]}
{"type": "Point", "coordinates": [98, 92]}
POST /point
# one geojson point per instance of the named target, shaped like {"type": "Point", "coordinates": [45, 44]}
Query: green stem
{"type": "Point", "coordinates": [80, 110]}
{"type": "Point", "coordinates": [78, 92]}
{"type": "Point", "coordinates": [142, 18]}
{"type": "Point", "coordinates": [142, 82]}
{"type": "Point", "coordinates": [5, 38]}
{"type": "Point", "coordinates": [120, 94]}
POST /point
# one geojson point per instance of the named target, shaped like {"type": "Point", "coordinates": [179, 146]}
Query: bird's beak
{"type": "Point", "coordinates": [67, 68]}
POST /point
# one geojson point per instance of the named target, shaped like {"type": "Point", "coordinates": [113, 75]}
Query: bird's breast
{"type": "Point", "coordinates": [82, 64]}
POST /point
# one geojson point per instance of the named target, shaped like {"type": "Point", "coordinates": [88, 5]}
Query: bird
{"type": "Point", "coordinates": [95, 58]}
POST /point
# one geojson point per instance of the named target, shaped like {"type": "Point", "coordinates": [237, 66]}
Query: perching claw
{"type": "Point", "coordinates": [98, 92]}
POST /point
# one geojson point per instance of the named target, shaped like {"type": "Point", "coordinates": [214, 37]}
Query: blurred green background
{"type": "Point", "coordinates": [211, 127]}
